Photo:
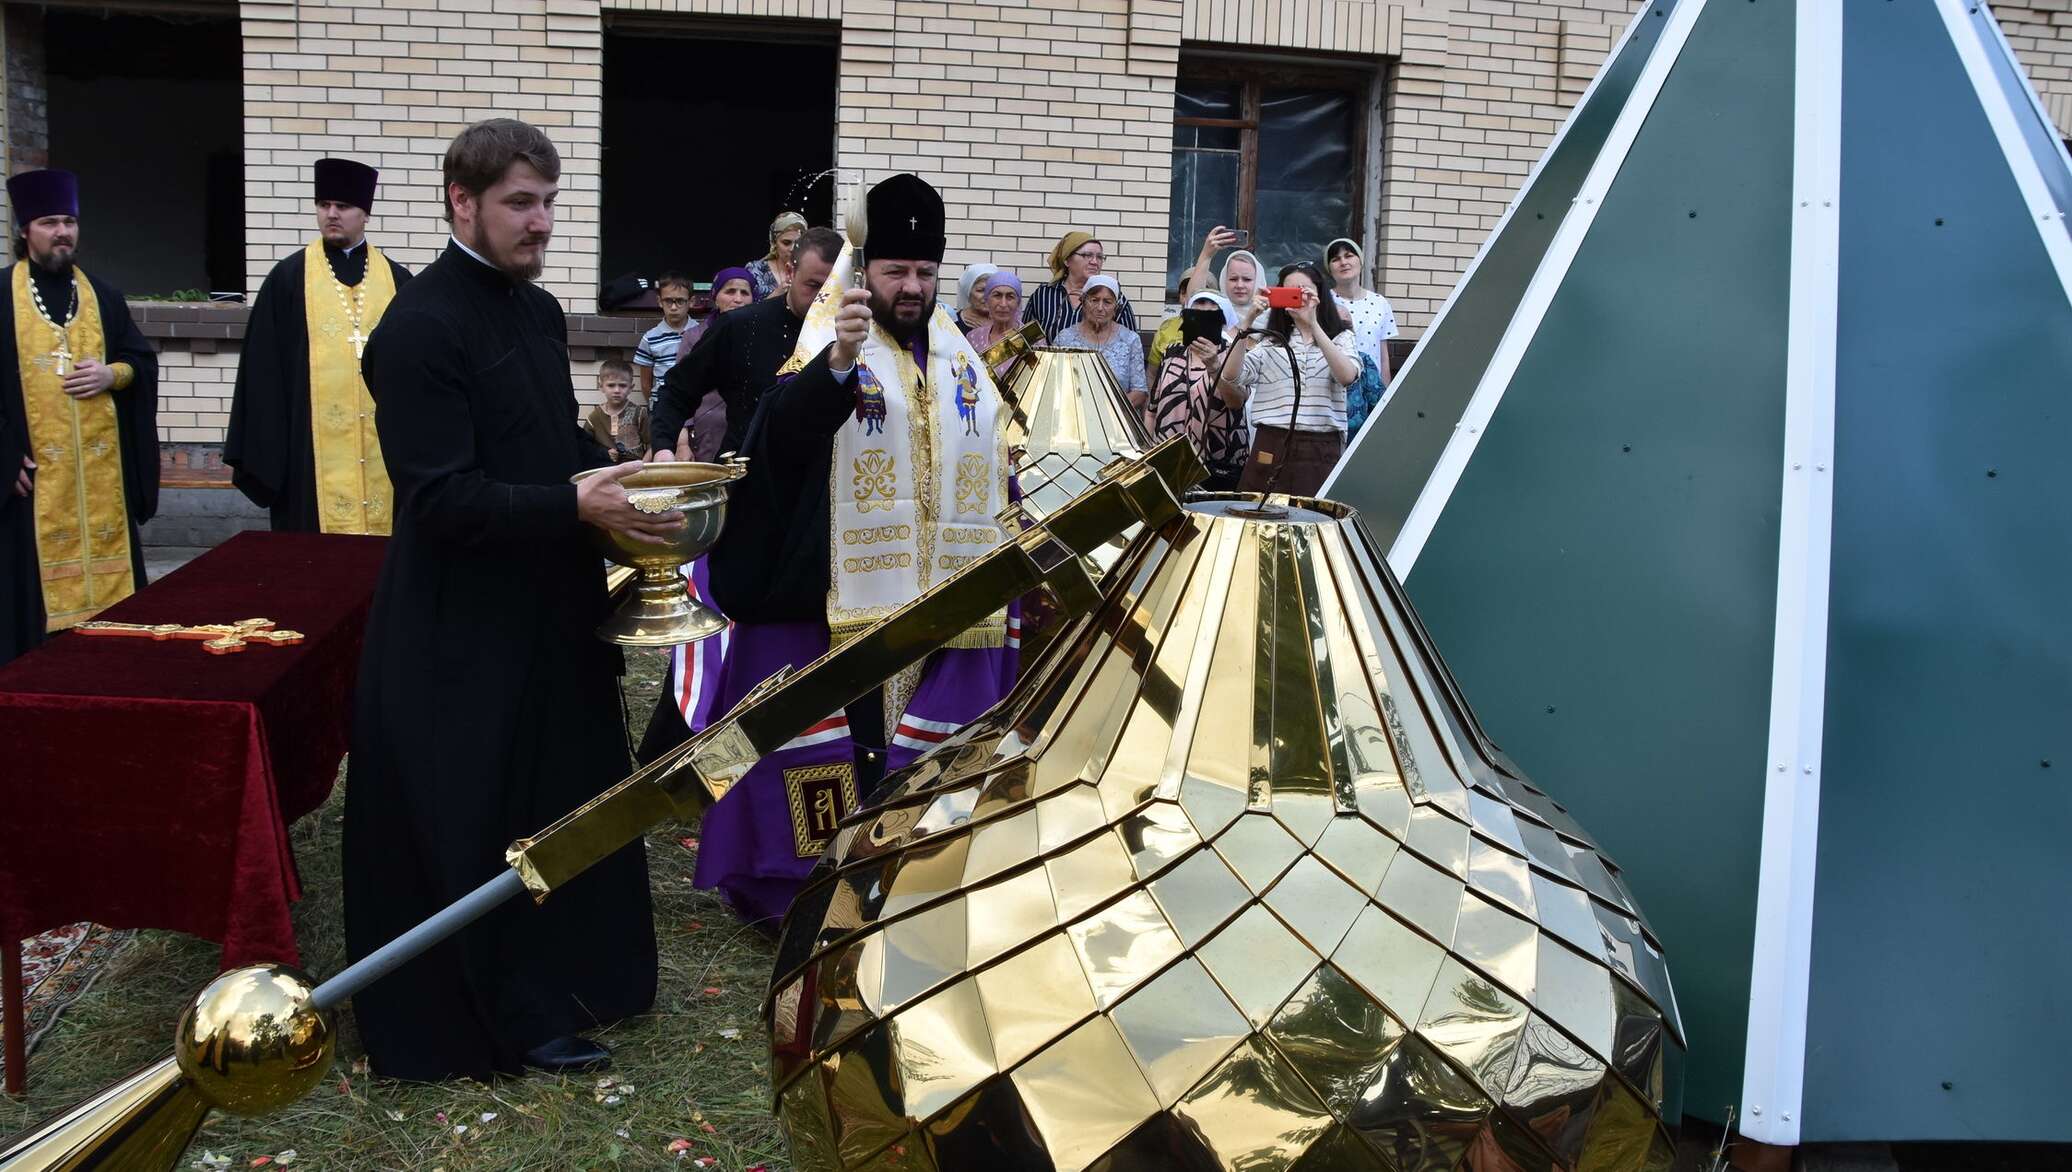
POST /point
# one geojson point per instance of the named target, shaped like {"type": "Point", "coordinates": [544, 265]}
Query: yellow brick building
{"type": "Point", "coordinates": [1408, 126]}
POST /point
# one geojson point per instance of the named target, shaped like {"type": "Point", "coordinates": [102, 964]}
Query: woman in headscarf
{"type": "Point", "coordinates": [1241, 272]}
{"type": "Point", "coordinates": [1002, 297]}
{"type": "Point", "coordinates": [1184, 402]}
{"type": "Point", "coordinates": [769, 276]}
{"type": "Point", "coordinates": [700, 438]}
{"type": "Point", "coordinates": [1098, 330]}
{"type": "Point", "coordinates": [1372, 317]}
{"type": "Point", "coordinates": [1294, 385]}
{"type": "Point", "coordinates": [1373, 321]}
{"type": "Point", "coordinates": [1076, 258]}
{"type": "Point", "coordinates": [971, 297]}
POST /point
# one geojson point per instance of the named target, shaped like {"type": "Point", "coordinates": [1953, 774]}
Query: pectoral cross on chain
{"type": "Point", "coordinates": [216, 638]}
{"type": "Point", "coordinates": [59, 359]}
{"type": "Point", "coordinates": [359, 342]}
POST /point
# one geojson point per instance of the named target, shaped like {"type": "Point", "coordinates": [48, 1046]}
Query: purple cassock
{"type": "Point", "coordinates": [753, 847]}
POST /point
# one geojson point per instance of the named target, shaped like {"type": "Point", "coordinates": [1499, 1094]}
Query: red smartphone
{"type": "Point", "coordinates": [1283, 296]}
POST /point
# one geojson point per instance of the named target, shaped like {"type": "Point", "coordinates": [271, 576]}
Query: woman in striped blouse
{"type": "Point", "coordinates": [1312, 343]}
{"type": "Point", "coordinates": [1076, 257]}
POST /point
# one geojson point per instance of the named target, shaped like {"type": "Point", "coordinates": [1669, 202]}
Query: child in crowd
{"type": "Point", "coordinates": [658, 349]}
{"type": "Point", "coordinates": [621, 425]}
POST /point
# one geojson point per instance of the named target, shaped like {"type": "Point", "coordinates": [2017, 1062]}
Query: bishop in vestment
{"type": "Point", "coordinates": [78, 427]}
{"type": "Point", "coordinates": [486, 706]}
{"type": "Point", "coordinates": [876, 468]}
{"type": "Point", "coordinates": [302, 442]}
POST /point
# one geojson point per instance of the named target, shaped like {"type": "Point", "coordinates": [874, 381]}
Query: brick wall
{"type": "Point", "coordinates": [198, 349]}
{"type": "Point", "coordinates": [2041, 33]}
{"type": "Point", "coordinates": [1033, 116]}
{"type": "Point", "coordinates": [1479, 91]}
{"type": "Point", "coordinates": [25, 114]}
{"type": "Point", "coordinates": [390, 82]}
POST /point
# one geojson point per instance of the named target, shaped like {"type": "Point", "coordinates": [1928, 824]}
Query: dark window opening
{"type": "Point", "coordinates": [1278, 149]}
{"type": "Point", "coordinates": [709, 132]}
{"type": "Point", "coordinates": [148, 110]}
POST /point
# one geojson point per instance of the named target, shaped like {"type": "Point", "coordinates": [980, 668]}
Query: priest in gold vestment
{"type": "Point", "coordinates": [301, 442]}
{"type": "Point", "coordinates": [78, 427]}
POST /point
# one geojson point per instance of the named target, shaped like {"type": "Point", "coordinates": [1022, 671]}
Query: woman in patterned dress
{"type": "Point", "coordinates": [1184, 402]}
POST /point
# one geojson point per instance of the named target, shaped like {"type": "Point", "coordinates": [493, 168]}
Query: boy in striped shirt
{"type": "Point", "coordinates": [657, 351]}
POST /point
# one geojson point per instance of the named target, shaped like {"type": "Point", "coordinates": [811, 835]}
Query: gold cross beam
{"type": "Point", "coordinates": [215, 638]}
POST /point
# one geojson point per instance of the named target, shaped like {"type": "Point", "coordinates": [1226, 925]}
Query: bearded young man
{"type": "Point", "coordinates": [875, 471]}
{"type": "Point", "coordinates": [78, 427]}
{"type": "Point", "coordinates": [487, 708]}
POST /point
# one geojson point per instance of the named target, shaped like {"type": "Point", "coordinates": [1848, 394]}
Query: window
{"type": "Point", "coordinates": [710, 128]}
{"type": "Point", "coordinates": [1280, 150]}
{"type": "Point", "coordinates": [147, 108]}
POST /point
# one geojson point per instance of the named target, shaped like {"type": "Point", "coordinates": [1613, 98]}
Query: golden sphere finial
{"type": "Point", "coordinates": [253, 1040]}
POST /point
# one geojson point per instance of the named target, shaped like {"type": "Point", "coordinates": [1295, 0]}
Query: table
{"type": "Point", "coordinates": [151, 784]}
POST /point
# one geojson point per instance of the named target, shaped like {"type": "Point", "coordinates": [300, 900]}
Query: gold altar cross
{"type": "Point", "coordinates": [216, 638]}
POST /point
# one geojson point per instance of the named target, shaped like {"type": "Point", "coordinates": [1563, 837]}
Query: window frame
{"type": "Point", "coordinates": [1254, 77]}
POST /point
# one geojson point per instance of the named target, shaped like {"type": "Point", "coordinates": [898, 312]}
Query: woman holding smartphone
{"type": "Point", "coordinates": [1183, 395]}
{"type": "Point", "coordinates": [1308, 344]}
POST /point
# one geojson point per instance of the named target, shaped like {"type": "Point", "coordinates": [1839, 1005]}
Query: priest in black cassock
{"type": "Point", "coordinates": [301, 441]}
{"type": "Point", "coordinates": [737, 355]}
{"type": "Point", "coordinates": [734, 362]}
{"type": "Point", "coordinates": [486, 706]}
{"type": "Point", "coordinates": [78, 427]}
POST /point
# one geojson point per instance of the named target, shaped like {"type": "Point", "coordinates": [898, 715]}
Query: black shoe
{"type": "Point", "coordinates": [571, 1054]}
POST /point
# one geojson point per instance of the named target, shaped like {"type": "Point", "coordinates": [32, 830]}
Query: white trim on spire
{"type": "Point", "coordinates": [1510, 209]}
{"type": "Point", "coordinates": [2000, 114]}
{"type": "Point", "coordinates": [1773, 1077]}
{"type": "Point", "coordinates": [1546, 281]}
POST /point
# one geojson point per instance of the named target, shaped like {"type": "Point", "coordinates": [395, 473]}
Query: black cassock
{"type": "Point", "coordinates": [736, 357]}
{"type": "Point", "coordinates": [268, 445]}
{"type": "Point", "coordinates": [136, 415]}
{"type": "Point", "coordinates": [487, 707]}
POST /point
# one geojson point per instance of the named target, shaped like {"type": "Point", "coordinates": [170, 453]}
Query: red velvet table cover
{"type": "Point", "coordinates": [151, 784]}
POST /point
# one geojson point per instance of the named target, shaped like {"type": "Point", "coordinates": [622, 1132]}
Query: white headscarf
{"type": "Point", "coordinates": [1220, 302]}
{"type": "Point", "coordinates": [972, 280]}
{"type": "Point", "coordinates": [1258, 270]}
{"type": "Point", "coordinates": [1102, 281]}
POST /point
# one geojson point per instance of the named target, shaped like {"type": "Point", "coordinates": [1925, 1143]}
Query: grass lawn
{"type": "Point", "coordinates": [694, 1069]}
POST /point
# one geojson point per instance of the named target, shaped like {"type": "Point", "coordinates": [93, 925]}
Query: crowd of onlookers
{"type": "Point", "coordinates": [1267, 378]}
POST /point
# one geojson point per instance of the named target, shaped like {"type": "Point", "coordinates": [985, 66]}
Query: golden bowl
{"type": "Point", "coordinates": [660, 612]}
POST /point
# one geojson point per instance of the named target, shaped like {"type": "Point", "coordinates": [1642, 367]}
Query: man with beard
{"type": "Point", "coordinates": [301, 441]}
{"type": "Point", "coordinates": [875, 470]}
{"type": "Point", "coordinates": [78, 427]}
{"type": "Point", "coordinates": [486, 706]}
{"type": "Point", "coordinates": [720, 382]}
